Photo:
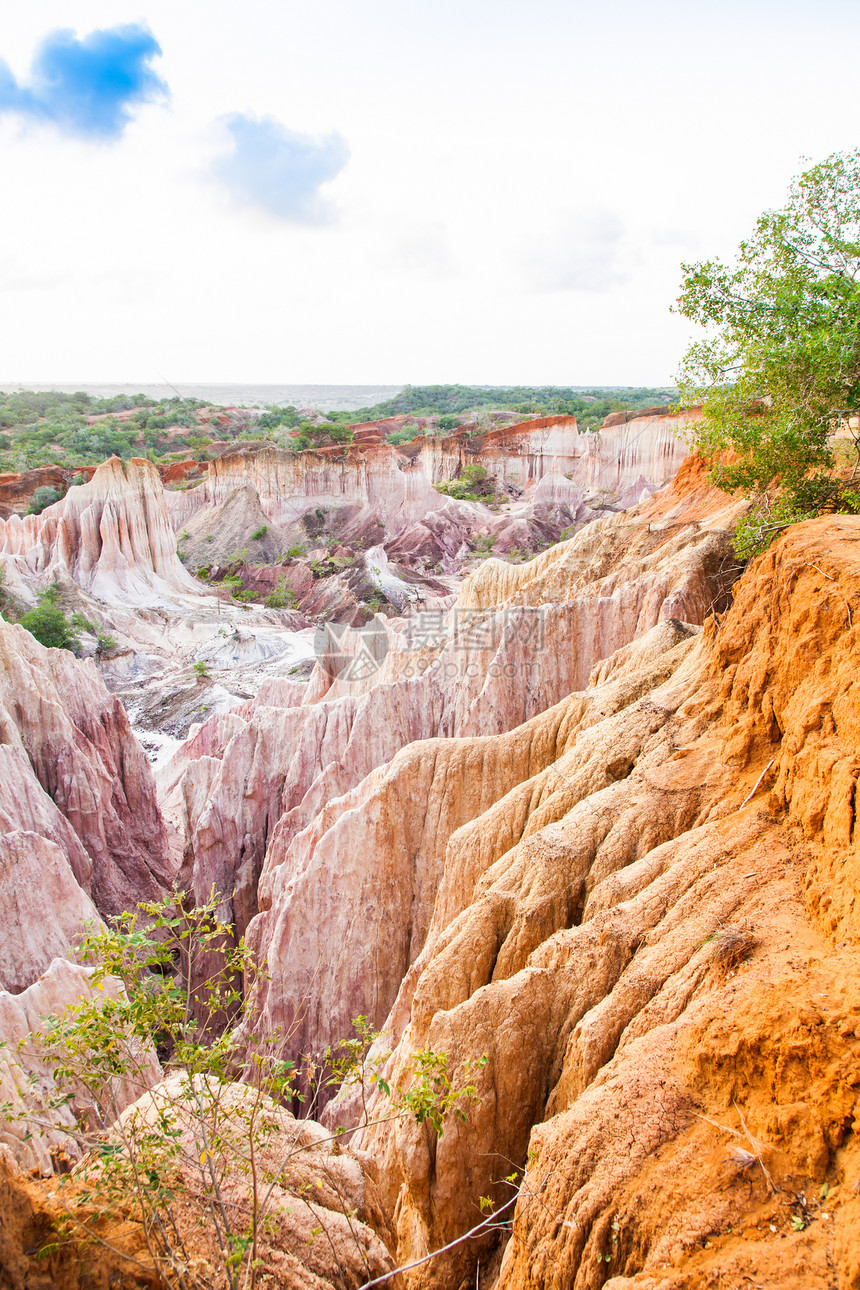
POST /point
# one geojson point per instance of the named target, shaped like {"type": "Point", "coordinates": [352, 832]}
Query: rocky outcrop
{"type": "Point", "coordinates": [73, 773]}
{"type": "Point", "coordinates": [44, 908]}
{"type": "Point", "coordinates": [604, 462]}
{"type": "Point", "coordinates": [35, 1123]}
{"type": "Point", "coordinates": [18, 488]}
{"type": "Point", "coordinates": [111, 537]}
{"type": "Point", "coordinates": [381, 490]}
{"type": "Point", "coordinates": [36, 1249]}
{"type": "Point", "coordinates": [649, 942]}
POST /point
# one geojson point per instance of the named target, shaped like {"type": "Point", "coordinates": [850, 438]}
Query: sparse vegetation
{"type": "Point", "coordinates": [473, 484]}
{"type": "Point", "coordinates": [260, 533]}
{"type": "Point", "coordinates": [282, 596]}
{"type": "Point", "coordinates": [105, 641]}
{"type": "Point", "coordinates": [731, 946]}
{"type": "Point", "coordinates": [200, 1166]}
{"type": "Point", "coordinates": [201, 670]}
{"type": "Point", "coordinates": [483, 546]}
{"type": "Point", "coordinates": [43, 498]}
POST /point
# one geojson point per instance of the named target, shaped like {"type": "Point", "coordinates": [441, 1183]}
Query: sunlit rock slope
{"type": "Point", "coordinates": [652, 939]}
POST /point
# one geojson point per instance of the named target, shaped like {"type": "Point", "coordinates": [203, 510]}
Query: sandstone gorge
{"type": "Point", "coordinates": [585, 824]}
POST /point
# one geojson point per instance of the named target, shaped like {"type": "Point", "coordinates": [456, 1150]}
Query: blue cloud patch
{"type": "Point", "coordinates": [278, 170]}
{"type": "Point", "coordinates": [86, 87]}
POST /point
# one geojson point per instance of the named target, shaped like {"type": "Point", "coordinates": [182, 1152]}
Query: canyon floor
{"type": "Point", "coordinates": [563, 793]}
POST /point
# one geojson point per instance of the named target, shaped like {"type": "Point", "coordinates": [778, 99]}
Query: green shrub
{"type": "Point", "coordinates": [472, 485]}
{"type": "Point", "coordinates": [260, 534]}
{"type": "Point", "coordinates": [282, 596]}
{"type": "Point", "coordinates": [172, 1173]}
{"type": "Point", "coordinates": [49, 624]}
{"type": "Point", "coordinates": [43, 497]}
{"type": "Point", "coordinates": [778, 369]}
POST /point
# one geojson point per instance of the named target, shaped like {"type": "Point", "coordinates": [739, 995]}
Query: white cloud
{"type": "Point", "coordinates": [423, 250]}
{"type": "Point", "coordinates": [587, 250]}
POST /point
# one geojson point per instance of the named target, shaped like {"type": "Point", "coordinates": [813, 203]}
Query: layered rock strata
{"type": "Point", "coordinates": [78, 812]}
{"type": "Point", "coordinates": [111, 537]}
{"type": "Point", "coordinates": [649, 942]}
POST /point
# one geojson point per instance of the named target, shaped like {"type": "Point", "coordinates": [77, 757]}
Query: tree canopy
{"type": "Point", "coordinates": [778, 372]}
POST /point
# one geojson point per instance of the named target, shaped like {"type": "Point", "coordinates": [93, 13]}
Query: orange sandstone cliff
{"type": "Point", "coordinates": [652, 939]}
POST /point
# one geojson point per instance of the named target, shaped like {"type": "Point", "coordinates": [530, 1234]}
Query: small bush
{"type": "Point", "coordinates": [49, 624]}
{"type": "Point", "coordinates": [260, 534]}
{"type": "Point", "coordinates": [201, 668]}
{"type": "Point", "coordinates": [196, 1166]}
{"type": "Point", "coordinates": [42, 498]}
{"type": "Point", "coordinates": [282, 596]}
{"type": "Point", "coordinates": [472, 485]}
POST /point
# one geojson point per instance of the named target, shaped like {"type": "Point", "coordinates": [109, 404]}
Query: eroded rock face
{"type": "Point", "coordinates": [27, 1069]}
{"type": "Point", "coordinates": [44, 908]}
{"type": "Point", "coordinates": [648, 447]}
{"type": "Point", "coordinates": [323, 1219]}
{"type": "Point", "coordinates": [73, 772]}
{"type": "Point", "coordinates": [651, 939]}
{"type": "Point", "coordinates": [548, 472]}
{"type": "Point", "coordinates": [331, 817]}
{"type": "Point", "coordinates": [111, 537]}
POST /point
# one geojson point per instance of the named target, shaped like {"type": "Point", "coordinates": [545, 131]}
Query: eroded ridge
{"type": "Point", "coordinates": [652, 941]}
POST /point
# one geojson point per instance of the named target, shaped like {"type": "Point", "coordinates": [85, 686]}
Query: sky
{"type": "Point", "coordinates": [477, 191]}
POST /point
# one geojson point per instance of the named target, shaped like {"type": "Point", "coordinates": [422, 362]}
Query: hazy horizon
{"type": "Point", "coordinates": [326, 397]}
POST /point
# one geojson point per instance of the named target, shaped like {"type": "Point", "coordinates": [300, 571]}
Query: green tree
{"type": "Point", "coordinates": [778, 372]}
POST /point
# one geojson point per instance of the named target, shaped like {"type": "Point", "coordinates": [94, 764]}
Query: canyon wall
{"type": "Point", "coordinates": [79, 820]}
{"type": "Point", "coordinates": [111, 537]}
{"type": "Point", "coordinates": [590, 832]}
{"type": "Point", "coordinates": [396, 482]}
{"type": "Point", "coordinates": [647, 448]}
{"type": "Point", "coordinates": [643, 955]}
{"type": "Point", "coordinates": [290, 803]}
